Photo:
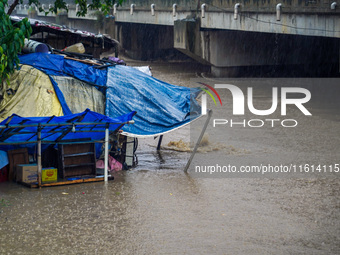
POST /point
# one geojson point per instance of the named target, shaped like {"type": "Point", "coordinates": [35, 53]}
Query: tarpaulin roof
{"type": "Point", "coordinates": [30, 92]}
{"type": "Point", "coordinates": [53, 64]}
{"type": "Point", "coordinates": [161, 107]}
{"type": "Point", "coordinates": [44, 26]}
{"type": "Point", "coordinates": [87, 125]}
{"type": "Point", "coordinates": [57, 65]}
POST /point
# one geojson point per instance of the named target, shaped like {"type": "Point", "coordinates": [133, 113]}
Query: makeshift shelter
{"type": "Point", "coordinates": [160, 107]}
{"type": "Point", "coordinates": [53, 85]}
{"type": "Point", "coordinates": [87, 125]}
{"type": "Point", "coordinates": [61, 36]}
{"type": "Point", "coordinates": [39, 132]}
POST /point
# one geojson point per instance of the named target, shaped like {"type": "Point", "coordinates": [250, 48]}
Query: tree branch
{"type": "Point", "coordinates": [11, 8]}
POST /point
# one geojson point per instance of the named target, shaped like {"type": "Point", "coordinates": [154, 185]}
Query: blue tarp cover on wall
{"type": "Point", "coordinates": [160, 107]}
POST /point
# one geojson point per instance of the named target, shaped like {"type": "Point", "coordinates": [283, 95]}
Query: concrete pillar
{"type": "Point", "coordinates": [32, 13]}
{"type": "Point", "coordinates": [110, 27]}
{"type": "Point", "coordinates": [145, 42]}
{"type": "Point", "coordinates": [62, 18]}
{"type": "Point", "coordinates": [187, 39]}
{"type": "Point", "coordinates": [236, 53]}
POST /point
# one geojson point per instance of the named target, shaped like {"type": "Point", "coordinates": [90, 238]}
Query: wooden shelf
{"type": "Point", "coordinates": [76, 159]}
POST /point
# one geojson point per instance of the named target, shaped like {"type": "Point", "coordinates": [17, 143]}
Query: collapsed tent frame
{"type": "Point", "coordinates": [39, 141]}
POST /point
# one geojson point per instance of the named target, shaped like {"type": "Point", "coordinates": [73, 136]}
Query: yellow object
{"type": "Point", "coordinates": [30, 93]}
{"type": "Point", "coordinates": [49, 174]}
{"type": "Point", "coordinates": [79, 96]}
{"type": "Point", "coordinates": [77, 48]}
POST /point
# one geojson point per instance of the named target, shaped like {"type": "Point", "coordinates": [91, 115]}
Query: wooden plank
{"type": "Point", "coordinates": [76, 148]}
{"type": "Point", "coordinates": [64, 182]}
{"type": "Point", "coordinates": [72, 182]}
{"type": "Point", "coordinates": [79, 171]}
{"type": "Point", "coordinates": [83, 61]}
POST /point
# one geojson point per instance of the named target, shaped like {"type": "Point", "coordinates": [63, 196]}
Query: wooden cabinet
{"type": "Point", "coordinates": [76, 159]}
{"type": "Point", "coordinates": [16, 157]}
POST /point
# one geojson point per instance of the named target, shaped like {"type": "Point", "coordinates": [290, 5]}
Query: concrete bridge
{"type": "Point", "coordinates": [231, 36]}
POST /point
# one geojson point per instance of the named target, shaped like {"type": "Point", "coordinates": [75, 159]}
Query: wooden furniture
{"type": "Point", "coordinates": [16, 157]}
{"type": "Point", "coordinates": [76, 159]}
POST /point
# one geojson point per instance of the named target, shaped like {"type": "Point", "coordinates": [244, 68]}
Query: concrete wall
{"type": "Point", "coordinates": [310, 17]}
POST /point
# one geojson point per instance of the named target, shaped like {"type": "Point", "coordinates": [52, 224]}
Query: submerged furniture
{"type": "Point", "coordinates": [16, 157]}
{"type": "Point", "coordinates": [37, 133]}
{"type": "Point", "coordinates": [76, 159]}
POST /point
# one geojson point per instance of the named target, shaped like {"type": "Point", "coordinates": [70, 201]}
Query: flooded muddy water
{"type": "Point", "coordinates": [156, 208]}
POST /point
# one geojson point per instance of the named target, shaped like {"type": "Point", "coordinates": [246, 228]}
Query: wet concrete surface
{"type": "Point", "coordinates": [156, 208]}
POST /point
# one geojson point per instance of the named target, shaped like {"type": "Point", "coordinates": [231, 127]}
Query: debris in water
{"type": "Point", "coordinates": [205, 140]}
{"type": "Point", "coordinates": [64, 193]}
{"type": "Point", "coordinates": [179, 146]}
{"type": "Point", "coordinates": [204, 147]}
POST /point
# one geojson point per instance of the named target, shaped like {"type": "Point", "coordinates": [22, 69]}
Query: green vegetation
{"type": "Point", "coordinates": [11, 41]}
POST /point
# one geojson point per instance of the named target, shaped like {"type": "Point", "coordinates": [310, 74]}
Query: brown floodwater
{"type": "Point", "coordinates": [156, 208]}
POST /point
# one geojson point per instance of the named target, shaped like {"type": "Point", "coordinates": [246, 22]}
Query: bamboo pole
{"type": "Point", "coordinates": [63, 124]}
{"type": "Point", "coordinates": [198, 141]}
{"type": "Point", "coordinates": [39, 156]}
{"type": "Point", "coordinates": [159, 142]}
{"type": "Point", "coordinates": [106, 159]}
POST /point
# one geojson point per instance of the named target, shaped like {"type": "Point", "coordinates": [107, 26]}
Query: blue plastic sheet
{"type": "Point", "coordinates": [48, 63]}
{"type": "Point", "coordinates": [52, 64]}
{"type": "Point", "coordinates": [58, 133]}
{"type": "Point", "coordinates": [3, 159]}
{"type": "Point", "coordinates": [161, 107]}
{"type": "Point", "coordinates": [85, 72]}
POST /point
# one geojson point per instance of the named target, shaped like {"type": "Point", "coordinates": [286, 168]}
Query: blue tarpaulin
{"type": "Point", "coordinates": [160, 107]}
{"type": "Point", "coordinates": [52, 64]}
{"type": "Point", "coordinates": [3, 159]}
{"type": "Point", "coordinates": [16, 129]}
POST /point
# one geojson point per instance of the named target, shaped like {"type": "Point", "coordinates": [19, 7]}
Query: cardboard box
{"type": "Point", "coordinates": [49, 174]}
{"type": "Point", "coordinates": [27, 173]}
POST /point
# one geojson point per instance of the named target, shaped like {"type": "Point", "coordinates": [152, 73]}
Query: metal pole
{"type": "Point", "coordinates": [106, 160]}
{"type": "Point", "coordinates": [62, 124]}
{"type": "Point", "coordinates": [159, 142]}
{"type": "Point", "coordinates": [39, 156]}
{"type": "Point", "coordinates": [198, 141]}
